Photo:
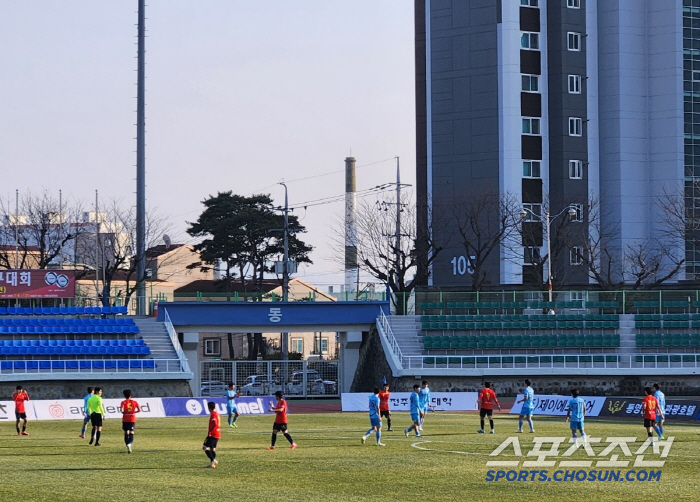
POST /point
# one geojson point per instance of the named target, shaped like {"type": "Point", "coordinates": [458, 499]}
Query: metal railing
{"type": "Point", "coordinates": [618, 302]}
{"type": "Point", "coordinates": [176, 343]}
{"type": "Point", "coordinates": [567, 362]}
{"type": "Point", "coordinates": [236, 296]}
{"type": "Point", "coordinates": [386, 331]}
{"type": "Point", "coordinates": [264, 378]}
{"type": "Point", "coordinates": [47, 368]}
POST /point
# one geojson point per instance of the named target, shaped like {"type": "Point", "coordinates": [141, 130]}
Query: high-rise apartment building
{"type": "Point", "coordinates": [581, 106]}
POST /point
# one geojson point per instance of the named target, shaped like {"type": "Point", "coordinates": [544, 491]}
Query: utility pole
{"type": "Point", "coordinates": [285, 272]}
{"type": "Point", "coordinates": [397, 251]}
{"type": "Point", "coordinates": [16, 229]}
{"type": "Point", "coordinates": [352, 270]}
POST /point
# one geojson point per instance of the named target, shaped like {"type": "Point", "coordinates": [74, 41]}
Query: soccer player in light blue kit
{"type": "Point", "coordinates": [424, 402]}
{"type": "Point", "coordinates": [86, 415]}
{"type": "Point", "coordinates": [575, 415]}
{"type": "Point", "coordinates": [528, 408]}
{"type": "Point", "coordinates": [231, 408]}
{"type": "Point", "coordinates": [374, 419]}
{"type": "Point", "coordinates": [414, 403]}
{"type": "Point", "coordinates": [661, 398]}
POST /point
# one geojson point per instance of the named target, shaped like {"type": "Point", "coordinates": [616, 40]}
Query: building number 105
{"type": "Point", "coordinates": [462, 265]}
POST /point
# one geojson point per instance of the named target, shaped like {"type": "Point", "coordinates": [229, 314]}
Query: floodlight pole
{"type": "Point", "coordinates": [141, 165]}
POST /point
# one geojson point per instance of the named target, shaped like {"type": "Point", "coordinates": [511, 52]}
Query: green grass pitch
{"type": "Point", "coordinates": [53, 464]}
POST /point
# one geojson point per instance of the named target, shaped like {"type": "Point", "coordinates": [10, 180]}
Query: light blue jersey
{"type": "Point", "coordinates": [414, 402]}
{"type": "Point", "coordinates": [231, 397]}
{"type": "Point", "coordinates": [661, 398]}
{"type": "Point", "coordinates": [424, 398]}
{"type": "Point", "coordinates": [529, 396]}
{"type": "Point", "coordinates": [374, 407]}
{"type": "Point", "coordinates": [577, 406]}
{"type": "Point", "coordinates": [85, 406]}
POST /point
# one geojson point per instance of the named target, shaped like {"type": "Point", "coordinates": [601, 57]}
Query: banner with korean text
{"type": "Point", "coordinates": [37, 284]}
{"type": "Point", "coordinates": [557, 405]}
{"type": "Point", "coordinates": [631, 407]}
{"type": "Point", "coordinates": [399, 401]}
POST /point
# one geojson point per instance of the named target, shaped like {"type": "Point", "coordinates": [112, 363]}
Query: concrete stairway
{"type": "Point", "coordinates": [155, 335]}
{"type": "Point", "coordinates": [406, 329]}
{"type": "Point", "coordinates": [628, 344]}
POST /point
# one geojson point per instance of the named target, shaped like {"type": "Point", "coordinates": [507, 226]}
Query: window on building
{"type": "Point", "coordinates": [574, 84]}
{"type": "Point", "coordinates": [576, 255]}
{"type": "Point", "coordinates": [574, 41]}
{"type": "Point", "coordinates": [530, 40]}
{"type": "Point", "coordinates": [529, 3]}
{"type": "Point", "coordinates": [531, 125]}
{"type": "Point", "coordinates": [323, 347]}
{"type": "Point", "coordinates": [212, 347]}
{"type": "Point", "coordinates": [573, 4]}
{"type": "Point", "coordinates": [297, 345]}
{"type": "Point", "coordinates": [579, 212]}
{"type": "Point", "coordinates": [696, 76]}
{"type": "Point", "coordinates": [531, 169]}
{"type": "Point", "coordinates": [575, 126]}
{"type": "Point", "coordinates": [531, 255]}
{"type": "Point", "coordinates": [531, 83]}
{"type": "Point", "coordinates": [533, 212]}
{"type": "Point", "coordinates": [575, 169]}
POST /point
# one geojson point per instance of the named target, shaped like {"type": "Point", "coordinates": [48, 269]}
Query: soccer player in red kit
{"type": "Point", "coordinates": [280, 420]}
{"type": "Point", "coordinates": [129, 409]}
{"type": "Point", "coordinates": [650, 408]}
{"type": "Point", "coordinates": [19, 397]}
{"type": "Point", "coordinates": [384, 395]}
{"type": "Point", "coordinates": [213, 435]}
{"type": "Point", "coordinates": [485, 402]}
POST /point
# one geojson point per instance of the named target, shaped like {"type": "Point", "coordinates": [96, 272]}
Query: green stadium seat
{"type": "Point", "coordinates": [429, 360]}
{"type": "Point", "coordinates": [689, 358]}
{"type": "Point", "coordinates": [455, 360]}
{"type": "Point", "coordinates": [440, 360]}
{"type": "Point", "coordinates": [468, 360]}
{"type": "Point", "coordinates": [454, 342]}
{"type": "Point", "coordinates": [520, 360]}
{"type": "Point", "coordinates": [558, 359]}
{"type": "Point", "coordinates": [676, 359]}
{"type": "Point", "coordinates": [611, 359]}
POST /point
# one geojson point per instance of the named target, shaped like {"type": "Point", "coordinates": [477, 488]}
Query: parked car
{"type": "Point", "coordinates": [212, 388]}
{"type": "Point", "coordinates": [259, 385]}
{"type": "Point", "coordinates": [314, 384]}
{"type": "Point", "coordinates": [321, 386]}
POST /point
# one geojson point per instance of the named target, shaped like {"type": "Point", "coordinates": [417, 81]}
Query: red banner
{"type": "Point", "coordinates": [37, 283]}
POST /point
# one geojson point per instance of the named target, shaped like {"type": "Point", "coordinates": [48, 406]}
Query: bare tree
{"type": "Point", "coordinates": [484, 222]}
{"type": "Point", "coordinates": [385, 253]}
{"type": "Point", "coordinates": [41, 232]}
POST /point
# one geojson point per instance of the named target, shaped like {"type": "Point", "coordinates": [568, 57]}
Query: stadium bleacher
{"type": "Point", "coordinates": [70, 339]}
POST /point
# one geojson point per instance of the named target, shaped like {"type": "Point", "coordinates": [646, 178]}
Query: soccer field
{"type": "Point", "coordinates": [330, 464]}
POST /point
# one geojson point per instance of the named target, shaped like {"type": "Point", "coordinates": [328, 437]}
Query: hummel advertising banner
{"type": "Point", "coordinates": [557, 405]}
{"type": "Point", "coordinates": [442, 401]}
{"type": "Point", "coordinates": [189, 406]}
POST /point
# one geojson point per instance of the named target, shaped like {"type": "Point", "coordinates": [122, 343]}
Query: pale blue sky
{"type": "Point", "coordinates": [239, 95]}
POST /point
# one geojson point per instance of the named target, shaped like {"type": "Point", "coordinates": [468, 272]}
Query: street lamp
{"type": "Point", "coordinates": [571, 210]}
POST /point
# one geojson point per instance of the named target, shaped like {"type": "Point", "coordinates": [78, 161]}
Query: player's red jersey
{"type": "Point", "coordinates": [384, 400]}
{"type": "Point", "coordinates": [281, 416]}
{"type": "Point", "coordinates": [214, 428]}
{"type": "Point", "coordinates": [649, 404]}
{"type": "Point", "coordinates": [129, 406]}
{"type": "Point", "coordinates": [19, 398]}
{"type": "Point", "coordinates": [487, 397]}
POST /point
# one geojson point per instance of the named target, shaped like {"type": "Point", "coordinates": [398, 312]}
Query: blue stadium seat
{"type": "Point", "coordinates": [20, 365]}
{"type": "Point", "coordinates": [3, 310]}
{"type": "Point", "coordinates": [32, 365]}
{"type": "Point", "coordinates": [44, 365]}
{"type": "Point", "coordinates": [72, 311]}
{"type": "Point", "coordinates": [58, 365]}
{"type": "Point", "coordinates": [149, 363]}
{"type": "Point", "coordinates": [110, 364]}
{"type": "Point", "coordinates": [121, 364]}
{"type": "Point", "coordinates": [85, 365]}
{"type": "Point", "coordinates": [98, 364]}
{"type": "Point", "coordinates": [135, 363]}
{"type": "Point", "coordinates": [71, 365]}
{"type": "Point", "coordinates": [5, 365]}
